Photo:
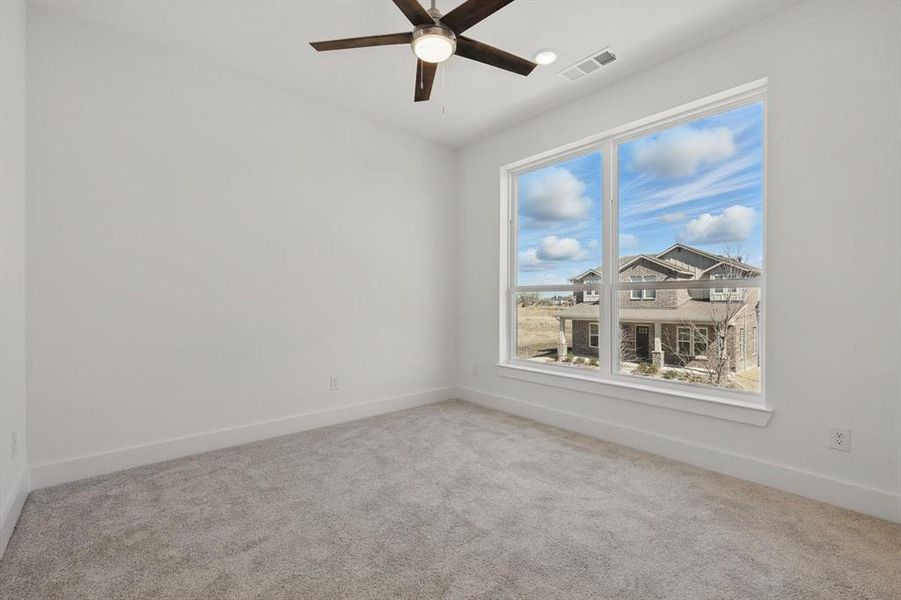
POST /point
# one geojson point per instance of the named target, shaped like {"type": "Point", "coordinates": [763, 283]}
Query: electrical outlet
{"type": "Point", "coordinates": [14, 444]}
{"type": "Point", "coordinates": [475, 370]}
{"type": "Point", "coordinates": [333, 383]}
{"type": "Point", "coordinates": [840, 438]}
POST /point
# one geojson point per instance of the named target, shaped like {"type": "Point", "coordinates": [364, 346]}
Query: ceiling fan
{"type": "Point", "coordinates": [435, 38]}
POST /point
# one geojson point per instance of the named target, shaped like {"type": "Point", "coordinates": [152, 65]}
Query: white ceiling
{"type": "Point", "coordinates": [268, 40]}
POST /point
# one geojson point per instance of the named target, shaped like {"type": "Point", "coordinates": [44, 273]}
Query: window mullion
{"type": "Point", "coordinates": [609, 330]}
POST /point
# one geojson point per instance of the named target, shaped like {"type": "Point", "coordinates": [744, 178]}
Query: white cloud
{"type": "Point", "coordinates": [554, 195]}
{"type": "Point", "coordinates": [673, 217]}
{"type": "Point", "coordinates": [682, 151]}
{"type": "Point", "coordinates": [731, 177]}
{"type": "Point", "coordinates": [734, 224]}
{"type": "Point", "coordinates": [529, 261]}
{"type": "Point", "coordinates": [593, 244]}
{"type": "Point", "coordinates": [628, 241]}
{"type": "Point", "coordinates": [550, 251]}
{"type": "Point", "coordinates": [553, 248]}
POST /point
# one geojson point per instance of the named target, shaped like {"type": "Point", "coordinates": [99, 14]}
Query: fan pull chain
{"type": "Point", "coordinates": [443, 86]}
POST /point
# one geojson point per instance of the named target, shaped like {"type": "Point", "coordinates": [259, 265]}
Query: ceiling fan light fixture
{"type": "Point", "coordinates": [545, 56]}
{"type": "Point", "coordinates": [434, 43]}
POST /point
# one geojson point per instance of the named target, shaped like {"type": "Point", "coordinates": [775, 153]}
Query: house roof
{"type": "Point", "coordinates": [585, 274]}
{"type": "Point", "coordinates": [597, 270]}
{"type": "Point", "coordinates": [625, 261]}
{"type": "Point", "coordinates": [733, 264]}
{"type": "Point", "coordinates": [717, 257]}
{"type": "Point", "coordinates": [692, 310]}
{"type": "Point", "coordinates": [656, 261]}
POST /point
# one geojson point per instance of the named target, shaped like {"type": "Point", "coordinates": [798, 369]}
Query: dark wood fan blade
{"type": "Point", "coordinates": [425, 77]}
{"type": "Point", "coordinates": [414, 11]}
{"type": "Point", "coordinates": [471, 12]}
{"type": "Point", "coordinates": [484, 53]}
{"type": "Point", "coordinates": [388, 39]}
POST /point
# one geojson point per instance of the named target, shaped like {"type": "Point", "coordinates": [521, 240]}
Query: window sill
{"type": "Point", "coordinates": [717, 407]}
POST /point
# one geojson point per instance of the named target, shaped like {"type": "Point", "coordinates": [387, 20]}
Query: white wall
{"type": "Point", "coordinates": [204, 252]}
{"type": "Point", "coordinates": [833, 202]}
{"type": "Point", "coordinates": [12, 261]}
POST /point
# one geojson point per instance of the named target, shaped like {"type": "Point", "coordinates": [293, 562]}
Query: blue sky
{"type": "Point", "coordinates": [700, 183]}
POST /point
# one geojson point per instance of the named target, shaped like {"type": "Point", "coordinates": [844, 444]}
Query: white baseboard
{"type": "Point", "coordinates": [9, 519]}
{"type": "Point", "coordinates": [848, 495]}
{"type": "Point", "coordinates": [81, 467]}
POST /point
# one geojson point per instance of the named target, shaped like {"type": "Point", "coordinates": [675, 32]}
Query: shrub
{"type": "Point", "coordinates": [568, 357]}
{"type": "Point", "coordinates": [670, 374]}
{"type": "Point", "coordinates": [593, 361]}
{"type": "Point", "coordinates": [579, 360]}
{"type": "Point", "coordinates": [646, 368]}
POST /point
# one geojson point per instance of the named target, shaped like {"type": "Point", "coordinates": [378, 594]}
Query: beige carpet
{"type": "Point", "coordinates": [443, 501]}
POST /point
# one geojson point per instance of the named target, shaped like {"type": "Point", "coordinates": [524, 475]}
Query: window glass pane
{"type": "Point", "coordinates": [698, 185]}
{"type": "Point", "coordinates": [690, 207]}
{"type": "Point", "coordinates": [558, 222]}
{"type": "Point", "coordinates": [690, 339]}
{"type": "Point", "coordinates": [541, 317]}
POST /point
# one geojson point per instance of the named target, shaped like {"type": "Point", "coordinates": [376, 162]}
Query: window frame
{"type": "Point", "coordinates": [596, 334]}
{"type": "Point", "coordinates": [750, 407]}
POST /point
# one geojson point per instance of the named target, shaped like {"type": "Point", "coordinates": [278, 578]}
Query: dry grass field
{"type": "Point", "coordinates": [537, 331]}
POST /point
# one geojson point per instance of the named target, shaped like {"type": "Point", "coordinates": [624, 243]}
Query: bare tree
{"type": "Point", "coordinates": [529, 298]}
{"type": "Point", "coordinates": [718, 338]}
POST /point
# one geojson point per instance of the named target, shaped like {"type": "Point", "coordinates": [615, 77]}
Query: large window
{"type": "Point", "coordinates": [656, 230]}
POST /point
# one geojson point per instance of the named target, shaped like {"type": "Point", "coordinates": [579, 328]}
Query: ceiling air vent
{"type": "Point", "coordinates": [605, 57]}
{"type": "Point", "coordinates": [589, 65]}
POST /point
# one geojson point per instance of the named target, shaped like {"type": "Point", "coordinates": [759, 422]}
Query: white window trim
{"type": "Point", "coordinates": [597, 334]}
{"type": "Point", "coordinates": [740, 406]}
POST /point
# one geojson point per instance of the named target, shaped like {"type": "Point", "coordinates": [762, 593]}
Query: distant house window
{"type": "Point", "coordinates": [650, 294]}
{"type": "Point", "coordinates": [643, 294]}
{"type": "Point", "coordinates": [684, 341]}
{"type": "Point", "coordinates": [722, 294]}
{"type": "Point", "coordinates": [691, 341]}
{"type": "Point", "coordinates": [636, 294]}
{"type": "Point", "coordinates": [700, 341]}
{"type": "Point", "coordinates": [593, 335]}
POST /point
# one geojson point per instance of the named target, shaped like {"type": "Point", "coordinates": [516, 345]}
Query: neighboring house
{"type": "Point", "coordinates": [675, 327]}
